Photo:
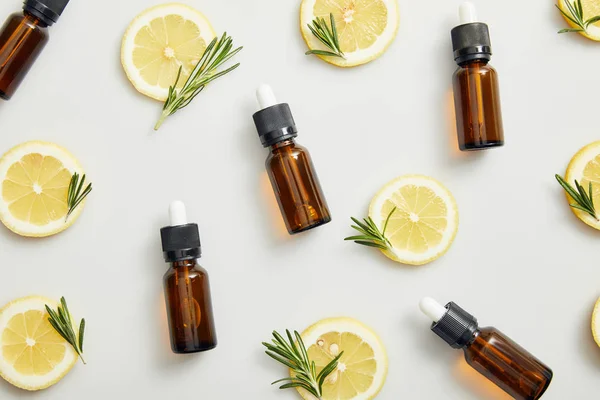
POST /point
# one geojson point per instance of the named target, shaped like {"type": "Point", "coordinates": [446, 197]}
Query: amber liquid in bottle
{"type": "Point", "coordinates": [22, 39]}
{"type": "Point", "coordinates": [488, 351]}
{"type": "Point", "coordinates": [508, 365]}
{"type": "Point", "coordinates": [296, 187]}
{"type": "Point", "coordinates": [189, 308]}
{"type": "Point", "coordinates": [477, 104]}
{"type": "Point", "coordinates": [187, 290]}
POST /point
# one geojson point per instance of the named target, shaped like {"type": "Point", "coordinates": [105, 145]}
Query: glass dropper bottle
{"type": "Point", "coordinates": [489, 351]}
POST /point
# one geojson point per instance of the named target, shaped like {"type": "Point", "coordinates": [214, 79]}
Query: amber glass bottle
{"type": "Point", "coordinates": [475, 82]}
{"type": "Point", "coordinates": [22, 39]}
{"type": "Point", "coordinates": [187, 289]}
{"type": "Point", "coordinates": [289, 167]}
{"type": "Point", "coordinates": [490, 352]}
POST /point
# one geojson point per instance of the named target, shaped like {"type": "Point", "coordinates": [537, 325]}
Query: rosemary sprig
{"type": "Point", "coordinates": [293, 355]}
{"type": "Point", "coordinates": [76, 193]}
{"type": "Point", "coordinates": [371, 235]}
{"type": "Point", "coordinates": [218, 52]}
{"type": "Point", "coordinates": [327, 36]}
{"type": "Point", "coordinates": [576, 16]}
{"type": "Point", "coordinates": [62, 321]}
{"type": "Point", "coordinates": [584, 201]}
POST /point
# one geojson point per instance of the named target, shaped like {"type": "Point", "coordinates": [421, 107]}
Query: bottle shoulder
{"type": "Point", "coordinates": [23, 20]}
{"type": "Point", "coordinates": [474, 68]}
{"type": "Point", "coordinates": [189, 271]}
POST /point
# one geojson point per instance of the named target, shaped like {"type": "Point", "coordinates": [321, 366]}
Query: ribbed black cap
{"type": "Point", "coordinates": [471, 42]}
{"type": "Point", "coordinates": [47, 10]}
{"type": "Point", "coordinates": [457, 327]}
{"type": "Point", "coordinates": [181, 242]}
{"type": "Point", "coordinates": [275, 124]}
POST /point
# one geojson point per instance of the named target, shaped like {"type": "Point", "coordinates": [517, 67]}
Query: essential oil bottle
{"type": "Point", "coordinates": [289, 166]}
{"type": "Point", "coordinates": [187, 290]}
{"type": "Point", "coordinates": [489, 351]}
{"type": "Point", "coordinates": [476, 89]}
{"type": "Point", "coordinates": [22, 39]}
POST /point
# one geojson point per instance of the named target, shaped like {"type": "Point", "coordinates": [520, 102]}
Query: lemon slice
{"type": "Point", "coordinates": [596, 322]}
{"type": "Point", "coordinates": [425, 222]}
{"type": "Point", "coordinates": [585, 168]}
{"type": "Point", "coordinates": [158, 42]}
{"type": "Point", "coordinates": [33, 355]}
{"type": "Point", "coordinates": [591, 8]}
{"type": "Point", "coordinates": [366, 28]}
{"type": "Point", "coordinates": [35, 178]}
{"type": "Point", "coordinates": [361, 370]}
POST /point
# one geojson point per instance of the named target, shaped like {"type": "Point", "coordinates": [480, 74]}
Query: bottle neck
{"type": "Point", "coordinates": [34, 19]}
{"type": "Point", "coordinates": [185, 263]}
{"type": "Point", "coordinates": [283, 143]}
{"type": "Point", "coordinates": [477, 61]}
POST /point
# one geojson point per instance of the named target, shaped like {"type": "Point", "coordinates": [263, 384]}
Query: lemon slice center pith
{"type": "Point", "coordinates": [359, 22]}
{"type": "Point", "coordinates": [356, 368]}
{"type": "Point", "coordinates": [419, 221]}
{"type": "Point", "coordinates": [35, 188]}
{"type": "Point", "coordinates": [163, 46]}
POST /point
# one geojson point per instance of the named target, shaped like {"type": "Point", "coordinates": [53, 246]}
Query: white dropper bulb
{"type": "Point", "coordinates": [467, 13]}
{"type": "Point", "coordinates": [432, 309]}
{"type": "Point", "coordinates": [177, 213]}
{"type": "Point", "coordinates": [265, 96]}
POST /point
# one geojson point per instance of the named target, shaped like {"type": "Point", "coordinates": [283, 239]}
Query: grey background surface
{"type": "Point", "coordinates": [520, 262]}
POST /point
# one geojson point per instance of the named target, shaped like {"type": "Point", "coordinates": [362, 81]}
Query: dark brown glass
{"type": "Point", "coordinates": [189, 308]}
{"type": "Point", "coordinates": [296, 187]}
{"type": "Point", "coordinates": [508, 365]}
{"type": "Point", "coordinates": [22, 39]}
{"type": "Point", "coordinates": [477, 104]}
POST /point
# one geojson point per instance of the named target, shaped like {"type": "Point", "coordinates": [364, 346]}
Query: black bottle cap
{"type": "Point", "coordinates": [275, 124]}
{"type": "Point", "coordinates": [457, 327]}
{"type": "Point", "coordinates": [47, 10]}
{"type": "Point", "coordinates": [181, 242]}
{"type": "Point", "coordinates": [471, 42]}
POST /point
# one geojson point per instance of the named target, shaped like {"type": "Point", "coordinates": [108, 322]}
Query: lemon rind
{"type": "Point", "coordinates": [128, 45]}
{"type": "Point", "coordinates": [68, 362]}
{"type": "Point", "coordinates": [13, 155]}
{"type": "Point", "coordinates": [406, 257]}
{"type": "Point", "coordinates": [345, 324]}
{"type": "Point", "coordinates": [353, 59]}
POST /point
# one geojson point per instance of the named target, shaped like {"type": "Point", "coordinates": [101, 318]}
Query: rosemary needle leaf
{"type": "Point", "coordinates": [76, 194]}
{"type": "Point", "coordinates": [584, 201]}
{"type": "Point", "coordinates": [217, 53]}
{"type": "Point", "coordinates": [326, 35]}
{"type": "Point", "coordinates": [575, 14]}
{"type": "Point", "coordinates": [292, 353]}
{"type": "Point", "coordinates": [62, 322]}
{"type": "Point", "coordinates": [371, 235]}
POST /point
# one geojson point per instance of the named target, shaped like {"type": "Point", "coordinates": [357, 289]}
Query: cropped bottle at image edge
{"type": "Point", "coordinates": [289, 166]}
{"type": "Point", "coordinates": [489, 351]}
{"type": "Point", "coordinates": [476, 88]}
{"type": "Point", "coordinates": [22, 39]}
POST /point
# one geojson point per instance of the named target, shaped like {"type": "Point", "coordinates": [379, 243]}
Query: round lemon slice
{"type": "Point", "coordinates": [361, 370]}
{"type": "Point", "coordinates": [585, 168]}
{"type": "Point", "coordinates": [591, 8]}
{"type": "Point", "coordinates": [425, 221]}
{"type": "Point", "coordinates": [366, 28]}
{"type": "Point", "coordinates": [161, 40]}
{"type": "Point", "coordinates": [35, 178]}
{"type": "Point", "coordinates": [33, 355]}
{"type": "Point", "coordinates": [596, 322]}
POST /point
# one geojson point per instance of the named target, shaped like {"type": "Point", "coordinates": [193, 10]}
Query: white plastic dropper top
{"type": "Point", "coordinates": [467, 13]}
{"type": "Point", "coordinates": [265, 96]}
{"type": "Point", "coordinates": [177, 213]}
{"type": "Point", "coordinates": [432, 309]}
